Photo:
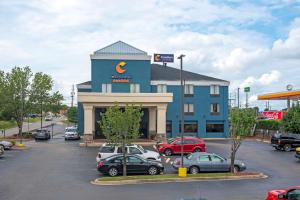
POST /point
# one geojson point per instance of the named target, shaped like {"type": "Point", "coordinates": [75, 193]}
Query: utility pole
{"type": "Point", "coordinates": [181, 108]}
{"type": "Point", "coordinates": [72, 96]}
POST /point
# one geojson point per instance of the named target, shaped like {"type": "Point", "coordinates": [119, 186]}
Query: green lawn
{"type": "Point", "coordinates": [7, 124]}
{"type": "Point", "coordinates": [12, 123]}
{"type": "Point", "coordinates": [164, 176]}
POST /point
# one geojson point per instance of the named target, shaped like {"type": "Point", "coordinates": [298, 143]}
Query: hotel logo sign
{"type": "Point", "coordinates": [164, 58]}
{"type": "Point", "coordinates": [120, 69]}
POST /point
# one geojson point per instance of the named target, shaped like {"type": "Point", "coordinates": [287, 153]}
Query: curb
{"type": "Point", "coordinates": [179, 180]}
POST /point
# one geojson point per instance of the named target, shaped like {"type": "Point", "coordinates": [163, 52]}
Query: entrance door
{"type": "Point", "coordinates": [98, 131]}
{"type": "Point", "coordinates": [145, 123]}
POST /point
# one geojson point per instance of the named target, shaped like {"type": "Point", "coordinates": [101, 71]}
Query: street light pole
{"type": "Point", "coordinates": [181, 107]}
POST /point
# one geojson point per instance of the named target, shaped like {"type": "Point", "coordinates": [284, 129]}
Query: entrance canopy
{"type": "Point", "coordinates": [287, 95]}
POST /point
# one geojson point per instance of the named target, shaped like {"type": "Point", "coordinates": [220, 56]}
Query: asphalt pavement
{"type": "Point", "coordinates": [59, 169]}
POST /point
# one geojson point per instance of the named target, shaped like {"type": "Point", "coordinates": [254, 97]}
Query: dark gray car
{"type": "Point", "coordinates": [42, 134]}
{"type": "Point", "coordinates": [207, 162]}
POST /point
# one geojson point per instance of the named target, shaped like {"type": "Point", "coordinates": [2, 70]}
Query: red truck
{"type": "Point", "coordinates": [292, 193]}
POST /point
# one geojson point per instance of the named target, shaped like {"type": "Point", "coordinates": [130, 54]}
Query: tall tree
{"type": "Point", "coordinates": [72, 115]}
{"type": "Point", "coordinates": [55, 103]}
{"type": "Point", "coordinates": [242, 121]}
{"type": "Point", "coordinates": [16, 89]}
{"type": "Point", "coordinates": [40, 88]}
{"type": "Point", "coordinates": [291, 120]}
{"type": "Point", "coordinates": [121, 126]}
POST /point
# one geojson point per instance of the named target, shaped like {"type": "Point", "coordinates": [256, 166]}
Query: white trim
{"type": "Point", "coordinates": [195, 83]}
{"type": "Point", "coordinates": [84, 87]}
{"type": "Point", "coordinates": [119, 57]}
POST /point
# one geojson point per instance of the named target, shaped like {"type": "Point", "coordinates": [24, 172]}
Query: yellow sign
{"type": "Point", "coordinates": [119, 66]}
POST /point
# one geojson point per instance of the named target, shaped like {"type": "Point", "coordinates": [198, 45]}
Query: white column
{"type": "Point", "coordinates": [88, 122]}
{"type": "Point", "coordinates": [152, 119]}
{"type": "Point", "coordinates": [161, 121]}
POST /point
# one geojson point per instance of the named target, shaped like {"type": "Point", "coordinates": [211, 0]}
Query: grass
{"type": "Point", "coordinates": [164, 177]}
{"type": "Point", "coordinates": [7, 124]}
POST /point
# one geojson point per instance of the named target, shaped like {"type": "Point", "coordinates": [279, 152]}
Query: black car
{"type": "Point", "coordinates": [113, 165]}
{"type": "Point", "coordinates": [285, 141]}
{"type": "Point", "coordinates": [42, 134]}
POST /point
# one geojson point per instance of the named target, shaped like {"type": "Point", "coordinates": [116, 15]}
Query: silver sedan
{"type": "Point", "coordinates": [207, 162]}
{"type": "Point", "coordinates": [6, 145]}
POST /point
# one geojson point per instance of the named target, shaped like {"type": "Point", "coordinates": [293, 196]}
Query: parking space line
{"type": "Point", "coordinates": [168, 159]}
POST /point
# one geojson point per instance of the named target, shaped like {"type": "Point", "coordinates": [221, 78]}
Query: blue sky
{"type": "Point", "coordinates": [250, 43]}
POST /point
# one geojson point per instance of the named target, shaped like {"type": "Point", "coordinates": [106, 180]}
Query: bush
{"type": "Point", "coordinates": [291, 120]}
{"type": "Point", "coordinates": [268, 124]}
{"type": "Point", "coordinates": [27, 135]}
{"type": "Point", "coordinates": [13, 142]}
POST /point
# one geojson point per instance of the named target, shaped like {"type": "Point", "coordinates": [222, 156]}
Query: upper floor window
{"type": "Point", "coordinates": [134, 88]}
{"type": "Point", "coordinates": [215, 108]}
{"type": "Point", "coordinates": [214, 90]}
{"type": "Point", "coordinates": [161, 88]}
{"type": "Point", "coordinates": [106, 88]}
{"type": "Point", "coordinates": [188, 108]}
{"type": "Point", "coordinates": [188, 90]}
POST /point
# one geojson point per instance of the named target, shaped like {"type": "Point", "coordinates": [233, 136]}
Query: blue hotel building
{"type": "Point", "coordinates": [123, 74]}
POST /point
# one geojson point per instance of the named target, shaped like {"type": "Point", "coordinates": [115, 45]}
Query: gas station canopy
{"type": "Point", "coordinates": [287, 95]}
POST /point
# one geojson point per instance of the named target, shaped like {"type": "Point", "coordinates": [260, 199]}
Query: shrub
{"type": "Point", "coordinates": [291, 120]}
{"type": "Point", "coordinates": [13, 142]}
{"type": "Point", "coordinates": [268, 124]}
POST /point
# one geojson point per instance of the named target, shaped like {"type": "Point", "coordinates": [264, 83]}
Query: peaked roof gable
{"type": "Point", "coordinates": [120, 48]}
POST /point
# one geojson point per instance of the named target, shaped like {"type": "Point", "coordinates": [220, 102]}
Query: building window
{"type": "Point", "coordinates": [188, 108]}
{"type": "Point", "coordinates": [215, 109]}
{"type": "Point", "coordinates": [134, 88]}
{"type": "Point", "coordinates": [189, 127]}
{"type": "Point", "coordinates": [161, 88]}
{"type": "Point", "coordinates": [214, 90]}
{"type": "Point", "coordinates": [169, 127]}
{"type": "Point", "coordinates": [106, 88]}
{"type": "Point", "coordinates": [188, 90]}
{"type": "Point", "coordinates": [215, 128]}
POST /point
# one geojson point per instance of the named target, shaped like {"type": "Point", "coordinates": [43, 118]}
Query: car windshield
{"type": "Point", "coordinates": [170, 140]}
{"type": "Point", "coordinates": [142, 149]}
{"type": "Point", "coordinates": [71, 130]}
{"type": "Point", "coordinates": [189, 156]}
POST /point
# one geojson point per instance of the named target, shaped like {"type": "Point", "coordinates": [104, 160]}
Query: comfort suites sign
{"type": "Point", "coordinates": [120, 69]}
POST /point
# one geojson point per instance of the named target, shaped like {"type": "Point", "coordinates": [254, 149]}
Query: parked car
{"type": "Point", "coordinates": [71, 133]}
{"type": "Point", "coordinates": [297, 155]}
{"type": "Point", "coordinates": [48, 118]}
{"type": "Point", "coordinates": [207, 162]}
{"type": "Point", "coordinates": [107, 150]}
{"type": "Point", "coordinates": [292, 193]}
{"type": "Point", "coordinates": [285, 141]}
{"type": "Point", "coordinates": [190, 144]}
{"type": "Point", "coordinates": [113, 165]}
{"type": "Point", "coordinates": [6, 145]}
{"type": "Point", "coordinates": [1, 150]}
{"type": "Point", "coordinates": [42, 134]}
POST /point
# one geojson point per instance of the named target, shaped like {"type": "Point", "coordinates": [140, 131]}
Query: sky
{"type": "Point", "coordinates": [249, 43]}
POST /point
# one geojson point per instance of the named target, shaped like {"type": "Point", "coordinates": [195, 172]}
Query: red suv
{"type": "Point", "coordinates": [281, 194]}
{"type": "Point", "coordinates": [190, 144]}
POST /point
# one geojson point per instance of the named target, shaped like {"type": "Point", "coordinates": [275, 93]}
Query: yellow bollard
{"type": "Point", "coordinates": [20, 145]}
{"type": "Point", "coordinates": [298, 149]}
{"type": "Point", "coordinates": [182, 171]}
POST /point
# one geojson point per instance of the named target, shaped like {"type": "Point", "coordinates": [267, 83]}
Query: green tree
{"type": "Point", "coordinates": [291, 120]}
{"type": "Point", "coordinates": [55, 102]}
{"type": "Point", "coordinates": [242, 121]}
{"type": "Point", "coordinates": [121, 126]}
{"type": "Point", "coordinates": [72, 115]}
{"type": "Point", "coordinates": [40, 88]}
{"type": "Point", "coordinates": [16, 87]}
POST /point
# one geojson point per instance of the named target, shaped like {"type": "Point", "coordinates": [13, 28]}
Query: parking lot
{"type": "Point", "coordinates": [62, 170]}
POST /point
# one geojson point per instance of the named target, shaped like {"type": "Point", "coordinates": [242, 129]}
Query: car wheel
{"type": "Point", "coordinates": [287, 147]}
{"type": "Point", "coordinates": [278, 148]}
{"type": "Point", "coordinates": [194, 170]}
{"type": "Point", "coordinates": [1, 145]}
{"type": "Point", "coordinates": [236, 169]}
{"type": "Point", "coordinates": [152, 170]}
{"type": "Point", "coordinates": [168, 152]}
{"type": "Point", "coordinates": [113, 171]}
{"type": "Point", "coordinates": [197, 150]}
